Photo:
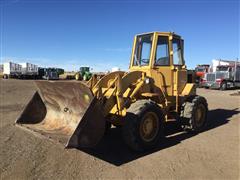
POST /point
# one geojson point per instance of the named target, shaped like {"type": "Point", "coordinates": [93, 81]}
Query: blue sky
{"type": "Point", "coordinates": [71, 33]}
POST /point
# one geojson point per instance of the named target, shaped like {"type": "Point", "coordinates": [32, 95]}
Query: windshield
{"type": "Point", "coordinates": [200, 69]}
{"type": "Point", "coordinates": [222, 68]}
{"type": "Point", "coordinates": [143, 50]}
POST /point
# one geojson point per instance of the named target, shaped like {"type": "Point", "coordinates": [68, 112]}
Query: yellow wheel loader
{"type": "Point", "coordinates": [154, 91]}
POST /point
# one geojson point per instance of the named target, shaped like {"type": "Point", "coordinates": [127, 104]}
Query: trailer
{"type": "Point", "coordinates": [11, 70]}
{"type": "Point", "coordinates": [29, 71]}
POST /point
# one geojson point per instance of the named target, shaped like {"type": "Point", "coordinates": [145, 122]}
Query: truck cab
{"type": "Point", "coordinates": [200, 72]}
{"type": "Point", "coordinates": [226, 76]}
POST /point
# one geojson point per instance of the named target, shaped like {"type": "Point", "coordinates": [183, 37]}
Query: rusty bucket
{"type": "Point", "coordinates": [66, 112]}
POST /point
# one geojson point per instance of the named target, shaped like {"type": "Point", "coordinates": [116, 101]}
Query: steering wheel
{"type": "Point", "coordinates": [162, 61]}
{"type": "Point", "coordinates": [146, 61]}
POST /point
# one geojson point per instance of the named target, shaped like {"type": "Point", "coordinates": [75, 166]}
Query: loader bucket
{"type": "Point", "coordinates": [66, 112]}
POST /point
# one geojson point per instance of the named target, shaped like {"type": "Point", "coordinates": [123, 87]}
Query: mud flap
{"type": "Point", "coordinates": [66, 112]}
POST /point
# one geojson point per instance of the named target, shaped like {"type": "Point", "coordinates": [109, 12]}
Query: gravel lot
{"type": "Point", "coordinates": [212, 154]}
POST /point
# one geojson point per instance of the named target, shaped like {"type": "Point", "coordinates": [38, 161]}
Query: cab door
{"type": "Point", "coordinates": [179, 68]}
{"type": "Point", "coordinates": [162, 72]}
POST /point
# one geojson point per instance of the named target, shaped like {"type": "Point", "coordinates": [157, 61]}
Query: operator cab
{"type": "Point", "coordinates": [157, 49]}
{"type": "Point", "coordinates": [160, 56]}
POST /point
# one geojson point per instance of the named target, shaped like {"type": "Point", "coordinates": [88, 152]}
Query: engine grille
{"type": "Point", "coordinates": [210, 77]}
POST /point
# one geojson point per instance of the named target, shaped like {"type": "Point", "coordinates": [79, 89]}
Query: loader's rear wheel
{"type": "Point", "coordinates": [194, 114]}
{"type": "Point", "coordinates": [143, 125]}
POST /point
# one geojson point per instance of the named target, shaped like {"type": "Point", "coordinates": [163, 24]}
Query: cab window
{"type": "Point", "coordinates": [177, 52]}
{"type": "Point", "coordinates": [143, 50]}
{"type": "Point", "coordinates": [162, 52]}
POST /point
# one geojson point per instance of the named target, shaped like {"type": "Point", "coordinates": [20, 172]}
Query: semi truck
{"type": "Point", "coordinates": [200, 72]}
{"type": "Point", "coordinates": [48, 73]}
{"type": "Point", "coordinates": [29, 71]}
{"type": "Point", "coordinates": [225, 77]}
{"type": "Point", "coordinates": [20, 70]}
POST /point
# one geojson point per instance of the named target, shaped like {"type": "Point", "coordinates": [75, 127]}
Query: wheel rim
{"type": "Point", "coordinates": [149, 126]}
{"type": "Point", "coordinates": [200, 115]}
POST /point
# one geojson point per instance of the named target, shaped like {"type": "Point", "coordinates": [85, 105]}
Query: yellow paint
{"type": "Point", "coordinates": [189, 89]}
{"type": "Point", "coordinates": [166, 85]}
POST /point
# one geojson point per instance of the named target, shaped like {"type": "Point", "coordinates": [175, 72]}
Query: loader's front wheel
{"type": "Point", "coordinates": [194, 114]}
{"type": "Point", "coordinates": [143, 125]}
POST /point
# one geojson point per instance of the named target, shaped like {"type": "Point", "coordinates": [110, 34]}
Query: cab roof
{"type": "Point", "coordinates": [160, 33]}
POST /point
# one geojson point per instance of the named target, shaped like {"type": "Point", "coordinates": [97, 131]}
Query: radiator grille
{"type": "Point", "coordinates": [210, 77]}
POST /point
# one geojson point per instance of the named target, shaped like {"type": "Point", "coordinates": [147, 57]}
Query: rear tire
{"type": "Point", "coordinates": [143, 126]}
{"type": "Point", "coordinates": [194, 114]}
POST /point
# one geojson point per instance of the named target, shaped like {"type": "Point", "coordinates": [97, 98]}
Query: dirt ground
{"type": "Point", "coordinates": [212, 154]}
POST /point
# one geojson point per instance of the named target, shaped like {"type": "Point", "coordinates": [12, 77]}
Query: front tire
{"type": "Point", "coordinates": [223, 86]}
{"type": "Point", "coordinates": [194, 114]}
{"type": "Point", "coordinates": [143, 126]}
